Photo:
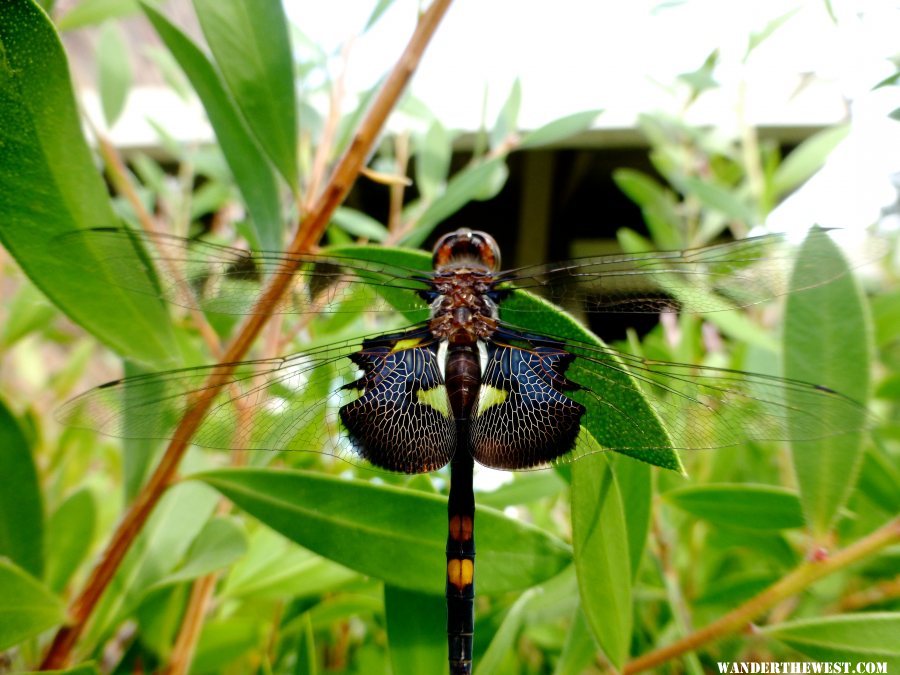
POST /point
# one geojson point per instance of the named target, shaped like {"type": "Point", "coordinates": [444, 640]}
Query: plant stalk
{"type": "Point", "coordinates": [308, 234]}
{"type": "Point", "coordinates": [740, 618]}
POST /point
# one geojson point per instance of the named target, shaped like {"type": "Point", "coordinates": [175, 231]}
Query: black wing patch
{"type": "Point", "coordinates": [402, 419]}
{"type": "Point", "coordinates": [523, 418]}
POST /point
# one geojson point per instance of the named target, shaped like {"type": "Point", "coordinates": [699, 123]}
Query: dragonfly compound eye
{"type": "Point", "coordinates": [467, 248]}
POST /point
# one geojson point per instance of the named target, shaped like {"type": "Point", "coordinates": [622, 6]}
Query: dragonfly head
{"type": "Point", "coordinates": [467, 248]}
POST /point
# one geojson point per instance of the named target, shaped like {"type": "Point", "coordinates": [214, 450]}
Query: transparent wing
{"type": "Point", "coordinates": [696, 407]}
{"type": "Point", "coordinates": [291, 403]}
{"type": "Point", "coordinates": [709, 279]}
{"type": "Point", "coordinates": [225, 280]}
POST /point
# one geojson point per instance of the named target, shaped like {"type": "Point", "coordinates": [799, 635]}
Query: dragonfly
{"type": "Point", "coordinates": [471, 378]}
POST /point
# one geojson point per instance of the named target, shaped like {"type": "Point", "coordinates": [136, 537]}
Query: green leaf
{"type": "Point", "coordinates": [417, 629]}
{"type": "Point", "coordinates": [720, 199]}
{"type": "Point", "coordinates": [218, 545]}
{"type": "Point", "coordinates": [579, 651]}
{"type": "Point", "coordinates": [380, 9]}
{"type": "Point", "coordinates": [657, 204]}
{"type": "Point", "coordinates": [359, 224]}
{"type": "Point", "coordinates": [114, 77]}
{"type": "Point", "coordinates": [526, 487]}
{"type": "Point", "coordinates": [467, 185]}
{"type": "Point", "coordinates": [21, 508]}
{"type": "Point", "coordinates": [559, 130]}
{"type": "Point", "coordinates": [28, 311]}
{"type": "Point", "coordinates": [636, 489]}
{"type": "Point", "coordinates": [50, 187]}
{"type": "Point", "coordinates": [504, 640]}
{"type": "Point", "coordinates": [92, 12]}
{"type": "Point", "coordinates": [745, 506]}
{"type": "Point", "coordinates": [84, 669]}
{"type": "Point", "coordinates": [400, 535]}
{"type": "Point", "coordinates": [827, 338]}
{"type": "Point", "coordinates": [508, 117]}
{"type": "Point", "coordinates": [27, 608]}
{"type": "Point", "coordinates": [252, 172]}
{"type": "Point", "coordinates": [807, 158]}
{"type": "Point", "coordinates": [850, 637]}
{"type": "Point", "coordinates": [224, 641]}
{"type": "Point", "coordinates": [70, 533]}
{"type": "Point", "coordinates": [251, 45]}
{"type": "Point", "coordinates": [433, 160]}
{"type": "Point", "coordinates": [600, 538]}
{"type": "Point", "coordinates": [275, 569]}
{"type": "Point", "coordinates": [758, 37]}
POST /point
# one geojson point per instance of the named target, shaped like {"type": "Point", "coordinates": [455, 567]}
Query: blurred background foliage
{"type": "Point", "coordinates": [700, 546]}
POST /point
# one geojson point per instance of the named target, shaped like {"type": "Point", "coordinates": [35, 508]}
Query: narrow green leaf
{"type": "Point", "coordinates": [21, 507]}
{"type": "Point", "coordinates": [879, 480]}
{"type": "Point", "coordinates": [850, 637]}
{"type": "Point", "coordinates": [400, 536]}
{"type": "Point", "coordinates": [359, 224]}
{"type": "Point", "coordinates": [600, 538]}
{"type": "Point", "coordinates": [251, 45]}
{"type": "Point", "coordinates": [83, 669]}
{"type": "Point", "coordinates": [807, 158]}
{"type": "Point", "coordinates": [433, 160]}
{"type": "Point", "coordinates": [827, 338]}
{"type": "Point", "coordinates": [218, 545]}
{"type": "Point", "coordinates": [27, 608]}
{"type": "Point", "coordinates": [578, 652]}
{"type": "Point", "coordinates": [28, 311]}
{"type": "Point", "coordinates": [720, 199]}
{"type": "Point", "coordinates": [417, 630]}
{"type": "Point", "coordinates": [656, 202]}
{"type": "Point", "coordinates": [276, 569]}
{"type": "Point", "coordinates": [559, 130]}
{"type": "Point", "coordinates": [305, 663]}
{"type": "Point", "coordinates": [50, 187]}
{"type": "Point", "coordinates": [504, 639]}
{"type": "Point", "coordinates": [465, 186]}
{"type": "Point", "coordinates": [758, 37]}
{"type": "Point", "coordinates": [380, 9]}
{"type": "Point", "coordinates": [636, 489]}
{"type": "Point", "coordinates": [224, 641]}
{"type": "Point", "coordinates": [92, 12]}
{"type": "Point", "coordinates": [508, 117]}
{"type": "Point", "coordinates": [70, 533]}
{"type": "Point", "coordinates": [114, 76]}
{"type": "Point", "coordinates": [252, 172]}
{"type": "Point", "coordinates": [526, 487]}
{"type": "Point", "coordinates": [745, 506]}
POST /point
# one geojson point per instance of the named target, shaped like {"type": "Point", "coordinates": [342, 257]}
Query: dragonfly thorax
{"type": "Point", "coordinates": [462, 309]}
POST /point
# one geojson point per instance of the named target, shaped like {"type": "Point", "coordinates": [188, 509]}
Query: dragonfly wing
{"type": "Point", "coordinates": [709, 279]}
{"type": "Point", "coordinates": [225, 280]}
{"type": "Point", "coordinates": [523, 417]}
{"type": "Point", "coordinates": [401, 420]}
{"type": "Point", "coordinates": [295, 403]}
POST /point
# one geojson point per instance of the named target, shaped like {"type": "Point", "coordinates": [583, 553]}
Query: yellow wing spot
{"type": "Point", "coordinates": [490, 396]}
{"type": "Point", "coordinates": [436, 398]}
{"type": "Point", "coordinates": [408, 343]}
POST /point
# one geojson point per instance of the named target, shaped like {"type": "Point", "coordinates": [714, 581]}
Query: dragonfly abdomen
{"type": "Point", "coordinates": [463, 380]}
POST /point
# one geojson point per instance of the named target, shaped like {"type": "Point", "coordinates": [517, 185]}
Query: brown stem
{"type": "Point", "coordinates": [793, 583]}
{"type": "Point", "coordinates": [191, 625]}
{"type": "Point", "coordinates": [308, 233]}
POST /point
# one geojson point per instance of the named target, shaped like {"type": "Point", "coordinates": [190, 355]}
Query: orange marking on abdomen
{"type": "Point", "coordinates": [460, 572]}
{"type": "Point", "coordinates": [461, 528]}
